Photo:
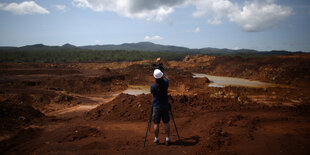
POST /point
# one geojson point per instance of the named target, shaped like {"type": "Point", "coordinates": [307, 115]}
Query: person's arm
{"type": "Point", "coordinates": [167, 81]}
{"type": "Point", "coordinates": [165, 76]}
{"type": "Point", "coordinates": [152, 89]}
{"type": "Point", "coordinates": [161, 67]}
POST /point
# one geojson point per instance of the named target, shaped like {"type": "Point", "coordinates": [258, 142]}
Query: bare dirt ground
{"type": "Point", "coordinates": [79, 108]}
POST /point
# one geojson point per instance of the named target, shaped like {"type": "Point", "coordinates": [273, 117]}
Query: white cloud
{"type": "Point", "coordinates": [250, 16]}
{"type": "Point", "coordinates": [259, 16]}
{"type": "Point", "coordinates": [23, 8]}
{"type": "Point", "coordinates": [62, 8]}
{"type": "Point", "coordinates": [217, 8]}
{"type": "Point", "coordinates": [156, 10]}
{"type": "Point", "coordinates": [97, 42]}
{"type": "Point", "coordinates": [197, 29]}
{"type": "Point", "coordinates": [156, 37]}
{"type": "Point", "coordinates": [236, 48]}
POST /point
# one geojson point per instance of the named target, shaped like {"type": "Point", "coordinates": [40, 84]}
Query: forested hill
{"type": "Point", "coordinates": [122, 52]}
{"type": "Point", "coordinates": [141, 46]}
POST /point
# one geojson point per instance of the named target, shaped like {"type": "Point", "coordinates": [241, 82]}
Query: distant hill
{"type": "Point", "coordinates": [68, 46]}
{"type": "Point", "coordinates": [35, 47]}
{"type": "Point", "coordinates": [151, 47]}
{"type": "Point", "coordinates": [122, 52]}
{"type": "Point", "coordinates": [143, 46]}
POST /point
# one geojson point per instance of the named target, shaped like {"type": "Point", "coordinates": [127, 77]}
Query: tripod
{"type": "Point", "coordinates": [149, 122]}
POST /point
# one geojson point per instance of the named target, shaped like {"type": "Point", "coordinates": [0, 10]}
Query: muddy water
{"type": "Point", "coordinates": [220, 81]}
{"type": "Point", "coordinates": [137, 90]}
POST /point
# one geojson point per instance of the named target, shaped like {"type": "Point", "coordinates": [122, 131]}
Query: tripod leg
{"type": "Point", "coordinates": [175, 125]}
{"type": "Point", "coordinates": [150, 118]}
{"type": "Point", "coordinates": [148, 125]}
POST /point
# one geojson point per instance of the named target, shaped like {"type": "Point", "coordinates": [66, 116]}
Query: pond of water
{"type": "Point", "coordinates": [137, 90]}
{"type": "Point", "coordinates": [220, 81]}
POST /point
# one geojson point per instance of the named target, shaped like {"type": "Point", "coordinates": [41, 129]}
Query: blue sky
{"type": "Point", "coordinates": [233, 24]}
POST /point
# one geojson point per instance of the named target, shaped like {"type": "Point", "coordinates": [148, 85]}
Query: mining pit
{"type": "Point", "coordinates": [221, 105]}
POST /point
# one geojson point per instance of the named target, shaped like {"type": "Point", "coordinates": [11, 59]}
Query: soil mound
{"type": "Point", "coordinates": [38, 71]}
{"type": "Point", "coordinates": [129, 107]}
{"type": "Point", "coordinates": [139, 73]}
{"type": "Point", "coordinates": [41, 100]}
{"type": "Point", "coordinates": [23, 136]}
{"type": "Point", "coordinates": [292, 70]}
{"type": "Point", "coordinates": [124, 107]}
{"type": "Point", "coordinates": [14, 116]}
{"type": "Point", "coordinates": [198, 58]}
{"type": "Point", "coordinates": [84, 85]}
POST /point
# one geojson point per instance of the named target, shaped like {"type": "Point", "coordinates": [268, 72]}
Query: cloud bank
{"type": "Point", "coordinates": [23, 8]}
{"type": "Point", "coordinates": [155, 10]}
{"type": "Point", "coordinates": [153, 38]}
{"type": "Point", "coordinates": [250, 16]}
{"type": "Point", "coordinates": [258, 16]}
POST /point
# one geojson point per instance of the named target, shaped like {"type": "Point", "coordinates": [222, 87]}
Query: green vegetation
{"type": "Point", "coordinates": [123, 52]}
{"type": "Point", "coordinates": [83, 55]}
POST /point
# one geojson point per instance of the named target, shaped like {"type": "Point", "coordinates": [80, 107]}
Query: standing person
{"type": "Point", "coordinates": [161, 107]}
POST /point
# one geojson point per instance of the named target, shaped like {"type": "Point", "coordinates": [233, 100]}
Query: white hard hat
{"type": "Point", "coordinates": [158, 74]}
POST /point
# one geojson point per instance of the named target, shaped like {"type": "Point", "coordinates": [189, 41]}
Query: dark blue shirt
{"type": "Point", "coordinates": [160, 98]}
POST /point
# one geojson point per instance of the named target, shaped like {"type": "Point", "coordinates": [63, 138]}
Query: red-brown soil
{"type": "Point", "coordinates": [292, 69]}
{"type": "Point", "coordinates": [51, 108]}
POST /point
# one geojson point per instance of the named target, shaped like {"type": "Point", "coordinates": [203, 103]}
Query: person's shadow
{"type": "Point", "coordinates": [187, 141]}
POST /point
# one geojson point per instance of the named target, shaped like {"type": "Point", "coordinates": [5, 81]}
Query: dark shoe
{"type": "Point", "coordinates": [156, 142]}
{"type": "Point", "coordinates": [168, 143]}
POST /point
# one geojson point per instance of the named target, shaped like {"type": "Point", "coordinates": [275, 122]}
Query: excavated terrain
{"type": "Point", "coordinates": [81, 108]}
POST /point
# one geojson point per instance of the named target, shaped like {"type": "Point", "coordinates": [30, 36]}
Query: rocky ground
{"type": "Point", "coordinates": [79, 108]}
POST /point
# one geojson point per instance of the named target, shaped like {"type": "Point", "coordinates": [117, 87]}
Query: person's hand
{"type": "Point", "coordinates": [158, 59]}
